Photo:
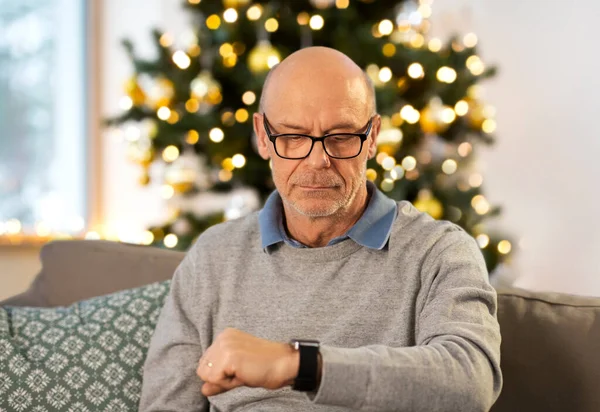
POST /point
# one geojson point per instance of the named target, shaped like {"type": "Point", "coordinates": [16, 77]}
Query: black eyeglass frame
{"type": "Point", "coordinates": [273, 137]}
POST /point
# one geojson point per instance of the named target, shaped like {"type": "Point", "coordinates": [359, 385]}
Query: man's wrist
{"type": "Point", "coordinates": [293, 366]}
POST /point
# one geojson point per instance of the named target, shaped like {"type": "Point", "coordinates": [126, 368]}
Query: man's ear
{"type": "Point", "coordinates": [262, 140]}
{"type": "Point", "coordinates": [372, 140]}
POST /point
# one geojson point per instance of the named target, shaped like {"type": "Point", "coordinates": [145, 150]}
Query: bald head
{"type": "Point", "coordinates": [317, 73]}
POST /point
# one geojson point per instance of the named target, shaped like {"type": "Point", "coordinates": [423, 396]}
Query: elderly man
{"type": "Point", "coordinates": [333, 297]}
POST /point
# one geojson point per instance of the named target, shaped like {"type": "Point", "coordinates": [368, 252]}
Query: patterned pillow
{"type": "Point", "coordinates": [85, 357]}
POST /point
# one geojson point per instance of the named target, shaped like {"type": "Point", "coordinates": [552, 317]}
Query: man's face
{"type": "Point", "coordinates": [318, 186]}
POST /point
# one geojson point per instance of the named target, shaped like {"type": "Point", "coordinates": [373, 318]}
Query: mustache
{"type": "Point", "coordinates": [316, 180]}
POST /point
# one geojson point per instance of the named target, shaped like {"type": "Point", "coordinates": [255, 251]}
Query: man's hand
{"type": "Point", "coordinates": [237, 359]}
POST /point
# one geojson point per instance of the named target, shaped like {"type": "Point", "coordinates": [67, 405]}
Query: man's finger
{"type": "Point", "coordinates": [223, 386]}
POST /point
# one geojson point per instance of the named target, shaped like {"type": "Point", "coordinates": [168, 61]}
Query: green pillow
{"type": "Point", "coordinates": [85, 357]}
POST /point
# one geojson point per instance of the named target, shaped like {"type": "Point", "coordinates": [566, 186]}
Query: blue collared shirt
{"type": "Point", "coordinates": [372, 230]}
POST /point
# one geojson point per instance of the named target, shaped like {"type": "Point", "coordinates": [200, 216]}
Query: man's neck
{"type": "Point", "coordinates": [319, 231]}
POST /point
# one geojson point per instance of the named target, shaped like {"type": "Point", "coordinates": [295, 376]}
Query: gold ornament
{"type": "Point", "coordinates": [436, 117]}
{"type": "Point", "coordinates": [144, 179]}
{"type": "Point", "coordinates": [159, 91]}
{"type": "Point", "coordinates": [206, 90]}
{"type": "Point", "coordinates": [186, 172]}
{"type": "Point", "coordinates": [427, 203]}
{"type": "Point", "coordinates": [389, 138]}
{"type": "Point", "coordinates": [262, 57]}
{"type": "Point", "coordinates": [135, 92]}
{"type": "Point", "coordinates": [476, 114]}
{"type": "Point", "coordinates": [235, 3]}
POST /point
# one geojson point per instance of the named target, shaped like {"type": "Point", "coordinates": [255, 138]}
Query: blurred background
{"type": "Point", "coordinates": [130, 121]}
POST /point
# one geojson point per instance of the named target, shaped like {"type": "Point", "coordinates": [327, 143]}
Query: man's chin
{"type": "Point", "coordinates": [316, 208]}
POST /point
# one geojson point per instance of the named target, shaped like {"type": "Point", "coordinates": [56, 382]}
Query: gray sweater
{"type": "Point", "coordinates": [411, 327]}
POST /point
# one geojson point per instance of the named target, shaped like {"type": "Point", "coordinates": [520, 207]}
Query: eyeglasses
{"type": "Point", "coordinates": [295, 146]}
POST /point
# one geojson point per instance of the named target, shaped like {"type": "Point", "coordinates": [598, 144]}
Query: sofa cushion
{"type": "Point", "coordinates": [550, 353]}
{"type": "Point", "coordinates": [85, 357]}
{"type": "Point", "coordinates": [74, 270]}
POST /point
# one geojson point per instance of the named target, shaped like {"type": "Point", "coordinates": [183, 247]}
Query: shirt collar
{"type": "Point", "coordinates": [372, 230]}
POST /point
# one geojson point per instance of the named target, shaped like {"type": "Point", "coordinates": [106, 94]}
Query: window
{"type": "Point", "coordinates": [42, 115]}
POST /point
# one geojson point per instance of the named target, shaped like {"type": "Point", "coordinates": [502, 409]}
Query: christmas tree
{"type": "Point", "coordinates": [193, 103]}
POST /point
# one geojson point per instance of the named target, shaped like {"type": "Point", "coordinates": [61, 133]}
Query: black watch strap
{"type": "Point", "coordinates": [306, 381]}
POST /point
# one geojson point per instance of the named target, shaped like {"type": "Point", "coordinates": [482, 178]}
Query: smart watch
{"type": "Point", "coordinates": [306, 381]}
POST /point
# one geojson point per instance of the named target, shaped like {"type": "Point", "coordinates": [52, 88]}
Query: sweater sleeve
{"type": "Point", "coordinates": [170, 382]}
{"type": "Point", "coordinates": [455, 364]}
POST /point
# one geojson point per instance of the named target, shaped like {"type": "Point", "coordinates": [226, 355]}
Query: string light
{"type": "Point", "coordinates": [448, 115]}
{"type": "Point", "coordinates": [417, 41]}
{"type": "Point", "coordinates": [410, 114]}
{"type": "Point", "coordinates": [435, 45]}
{"type": "Point", "coordinates": [475, 65]}
{"type": "Point", "coordinates": [173, 118]}
{"type": "Point", "coordinates": [125, 103]}
{"type": "Point", "coordinates": [241, 115]}
{"type": "Point", "coordinates": [386, 27]}
{"type": "Point", "coordinates": [461, 107]}
{"type": "Point", "coordinates": [464, 149]}
{"type": "Point", "coordinates": [254, 12]}
{"type": "Point", "coordinates": [227, 164]}
{"type": "Point", "coordinates": [475, 180]}
{"type": "Point", "coordinates": [385, 74]}
{"type": "Point", "coordinates": [483, 241]}
{"type": "Point", "coordinates": [504, 247]}
{"type": "Point", "coordinates": [271, 25]}
{"type": "Point", "coordinates": [167, 191]}
{"type": "Point", "coordinates": [192, 105]}
{"type": "Point", "coordinates": [446, 74]}
{"type": "Point", "coordinates": [425, 10]}
{"type": "Point", "coordinates": [171, 240]}
{"type": "Point", "coordinates": [230, 15]}
{"type": "Point", "coordinates": [415, 71]}
{"type": "Point", "coordinates": [470, 40]}
{"type": "Point", "coordinates": [166, 40]}
{"type": "Point", "coordinates": [42, 229]}
{"type": "Point", "coordinates": [489, 126]}
{"type": "Point", "coordinates": [449, 166]}
{"type": "Point", "coordinates": [371, 174]}
{"type": "Point", "coordinates": [303, 18]}
{"type": "Point", "coordinates": [248, 98]}
{"type": "Point", "coordinates": [480, 204]}
{"type": "Point", "coordinates": [181, 59]}
{"type": "Point", "coordinates": [388, 163]}
{"type": "Point", "coordinates": [170, 154]}
{"type": "Point", "coordinates": [194, 1]}
{"type": "Point", "coordinates": [381, 156]}
{"type": "Point", "coordinates": [13, 226]}
{"type": "Point", "coordinates": [225, 50]}
{"type": "Point", "coordinates": [192, 137]}
{"type": "Point", "coordinates": [238, 161]}
{"type": "Point", "coordinates": [216, 135]}
{"type": "Point", "coordinates": [409, 163]}
{"type": "Point", "coordinates": [389, 49]}
{"type": "Point", "coordinates": [397, 172]}
{"type": "Point", "coordinates": [342, 4]}
{"type": "Point", "coordinates": [225, 175]}
{"type": "Point", "coordinates": [213, 22]}
{"type": "Point", "coordinates": [387, 185]}
{"type": "Point", "coordinates": [147, 237]}
{"type": "Point", "coordinates": [316, 22]}
{"type": "Point", "coordinates": [163, 113]}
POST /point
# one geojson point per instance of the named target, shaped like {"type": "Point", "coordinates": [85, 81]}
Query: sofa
{"type": "Point", "coordinates": [77, 338]}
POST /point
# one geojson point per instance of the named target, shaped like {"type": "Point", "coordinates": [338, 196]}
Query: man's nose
{"type": "Point", "coordinates": [318, 157]}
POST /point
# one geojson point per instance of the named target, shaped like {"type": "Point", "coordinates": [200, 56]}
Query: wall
{"type": "Point", "coordinates": [545, 167]}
